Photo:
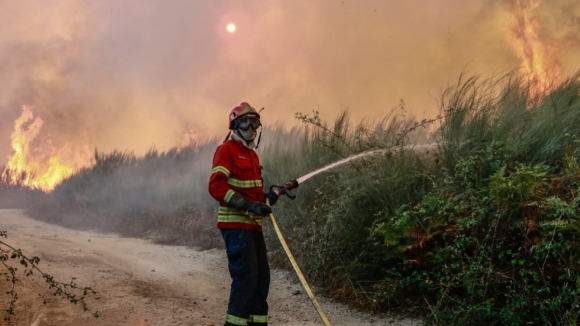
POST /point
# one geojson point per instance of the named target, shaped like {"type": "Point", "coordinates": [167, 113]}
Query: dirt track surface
{"type": "Point", "coordinates": [140, 283]}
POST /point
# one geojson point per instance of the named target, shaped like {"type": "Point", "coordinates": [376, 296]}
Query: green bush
{"type": "Point", "coordinates": [506, 254]}
{"type": "Point", "coordinates": [495, 240]}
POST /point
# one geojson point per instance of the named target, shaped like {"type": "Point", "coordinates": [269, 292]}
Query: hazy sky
{"type": "Point", "coordinates": [135, 73]}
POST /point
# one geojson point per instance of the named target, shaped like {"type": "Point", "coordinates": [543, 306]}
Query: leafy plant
{"type": "Point", "coordinates": [68, 291]}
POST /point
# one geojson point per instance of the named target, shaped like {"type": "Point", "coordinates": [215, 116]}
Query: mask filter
{"type": "Point", "coordinates": [249, 134]}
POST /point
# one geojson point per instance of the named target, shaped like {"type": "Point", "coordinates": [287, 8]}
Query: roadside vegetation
{"type": "Point", "coordinates": [16, 267]}
{"type": "Point", "coordinates": [468, 218]}
{"type": "Point", "coordinates": [13, 191]}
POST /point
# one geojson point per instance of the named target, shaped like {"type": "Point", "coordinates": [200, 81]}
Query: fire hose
{"type": "Point", "coordinates": [285, 190]}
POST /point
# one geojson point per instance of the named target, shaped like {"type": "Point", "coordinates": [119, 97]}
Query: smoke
{"type": "Point", "coordinates": [133, 74]}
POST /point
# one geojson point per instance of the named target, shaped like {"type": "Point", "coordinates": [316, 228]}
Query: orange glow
{"type": "Point", "coordinates": [231, 27]}
{"type": "Point", "coordinates": [542, 70]}
{"type": "Point", "coordinates": [42, 167]}
{"type": "Point", "coordinates": [189, 138]}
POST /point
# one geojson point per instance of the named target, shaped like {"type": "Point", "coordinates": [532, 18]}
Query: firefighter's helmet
{"type": "Point", "coordinates": [244, 109]}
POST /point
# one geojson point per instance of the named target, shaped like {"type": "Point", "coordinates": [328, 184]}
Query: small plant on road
{"type": "Point", "coordinates": [11, 257]}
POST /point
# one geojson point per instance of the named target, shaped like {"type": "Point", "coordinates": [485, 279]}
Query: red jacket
{"type": "Point", "coordinates": [236, 169]}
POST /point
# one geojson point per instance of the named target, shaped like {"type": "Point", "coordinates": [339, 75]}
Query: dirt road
{"type": "Point", "coordinates": [140, 283]}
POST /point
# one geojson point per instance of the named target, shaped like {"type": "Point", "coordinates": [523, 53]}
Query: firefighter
{"type": "Point", "coordinates": [236, 183]}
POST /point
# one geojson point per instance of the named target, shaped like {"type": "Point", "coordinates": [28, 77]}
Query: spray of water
{"type": "Point", "coordinates": [335, 164]}
{"type": "Point", "coordinates": [354, 157]}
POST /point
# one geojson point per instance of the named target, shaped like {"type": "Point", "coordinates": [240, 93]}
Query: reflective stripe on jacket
{"type": "Point", "coordinates": [236, 169]}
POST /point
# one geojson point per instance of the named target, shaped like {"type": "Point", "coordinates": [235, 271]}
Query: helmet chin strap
{"type": "Point", "coordinates": [259, 138]}
{"type": "Point", "coordinates": [228, 136]}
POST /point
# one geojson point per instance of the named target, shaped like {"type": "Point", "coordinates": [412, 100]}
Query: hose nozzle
{"type": "Point", "coordinates": [285, 189]}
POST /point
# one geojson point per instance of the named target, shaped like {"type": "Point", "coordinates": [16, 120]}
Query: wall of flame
{"type": "Point", "coordinates": [541, 43]}
{"type": "Point", "coordinates": [39, 164]}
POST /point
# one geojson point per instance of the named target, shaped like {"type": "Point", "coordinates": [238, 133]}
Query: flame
{"type": "Point", "coordinates": [542, 64]}
{"type": "Point", "coordinates": [541, 54]}
{"type": "Point", "coordinates": [41, 167]}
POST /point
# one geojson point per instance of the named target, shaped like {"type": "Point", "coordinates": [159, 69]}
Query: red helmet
{"type": "Point", "coordinates": [243, 109]}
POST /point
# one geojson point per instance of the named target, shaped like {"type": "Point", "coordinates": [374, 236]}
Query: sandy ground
{"type": "Point", "coordinates": [140, 283]}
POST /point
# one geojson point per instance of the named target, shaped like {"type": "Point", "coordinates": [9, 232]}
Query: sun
{"type": "Point", "coordinates": [231, 27]}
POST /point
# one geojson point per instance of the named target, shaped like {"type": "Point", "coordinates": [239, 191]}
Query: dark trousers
{"type": "Point", "coordinates": [250, 272]}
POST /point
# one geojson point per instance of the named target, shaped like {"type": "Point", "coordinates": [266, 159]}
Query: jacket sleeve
{"type": "Point", "coordinates": [221, 167]}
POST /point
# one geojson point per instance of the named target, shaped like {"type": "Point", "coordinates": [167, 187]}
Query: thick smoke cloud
{"type": "Point", "coordinates": [132, 74]}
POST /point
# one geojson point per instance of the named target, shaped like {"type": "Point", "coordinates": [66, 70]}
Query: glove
{"type": "Point", "coordinates": [272, 196]}
{"type": "Point", "coordinates": [259, 208]}
{"type": "Point", "coordinates": [239, 202]}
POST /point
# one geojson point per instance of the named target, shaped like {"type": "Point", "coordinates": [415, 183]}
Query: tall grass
{"type": "Point", "coordinates": [499, 112]}
{"type": "Point", "coordinates": [433, 230]}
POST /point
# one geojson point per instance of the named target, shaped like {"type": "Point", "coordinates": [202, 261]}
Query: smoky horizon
{"type": "Point", "coordinates": [131, 75]}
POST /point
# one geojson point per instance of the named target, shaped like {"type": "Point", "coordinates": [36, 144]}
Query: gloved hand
{"type": "Point", "coordinates": [239, 202]}
{"type": "Point", "coordinates": [259, 208]}
{"type": "Point", "coordinates": [272, 196]}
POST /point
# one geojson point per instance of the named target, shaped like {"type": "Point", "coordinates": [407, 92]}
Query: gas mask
{"type": "Point", "coordinates": [247, 127]}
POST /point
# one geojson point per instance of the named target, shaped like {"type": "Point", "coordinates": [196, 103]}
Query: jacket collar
{"type": "Point", "coordinates": [238, 144]}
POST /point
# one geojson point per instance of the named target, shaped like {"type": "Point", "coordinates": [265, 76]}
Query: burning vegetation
{"type": "Point", "coordinates": [38, 167]}
{"type": "Point", "coordinates": [541, 56]}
